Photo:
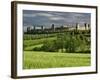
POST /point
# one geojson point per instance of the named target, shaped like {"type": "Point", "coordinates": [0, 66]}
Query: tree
{"type": "Point", "coordinates": [71, 43]}
{"type": "Point", "coordinates": [49, 46]}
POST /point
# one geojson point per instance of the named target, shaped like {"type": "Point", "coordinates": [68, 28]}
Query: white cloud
{"type": "Point", "coordinates": [38, 14]}
{"type": "Point", "coordinates": [56, 18]}
{"type": "Point", "coordinates": [44, 14]}
{"type": "Point", "coordinates": [29, 15]}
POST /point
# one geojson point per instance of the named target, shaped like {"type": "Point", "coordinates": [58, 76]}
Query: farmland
{"type": "Point", "coordinates": [56, 50]}
{"type": "Point", "coordinates": [57, 42]}
{"type": "Point", "coordinates": [33, 59]}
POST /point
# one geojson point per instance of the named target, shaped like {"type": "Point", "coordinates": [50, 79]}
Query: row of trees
{"type": "Point", "coordinates": [39, 36]}
{"type": "Point", "coordinates": [66, 42]}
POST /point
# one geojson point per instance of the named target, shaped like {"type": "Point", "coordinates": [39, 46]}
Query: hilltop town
{"type": "Point", "coordinates": [54, 29]}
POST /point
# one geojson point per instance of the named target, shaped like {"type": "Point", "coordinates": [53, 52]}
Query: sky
{"type": "Point", "coordinates": [47, 18]}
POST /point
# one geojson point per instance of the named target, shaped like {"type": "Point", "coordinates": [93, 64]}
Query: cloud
{"type": "Point", "coordinates": [56, 18]}
{"type": "Point", "coordinates": [44, 14]}
{"type": "Point", "coordinates": [31, 17]}
{"type": "Point", "coordinates": [37, 14]}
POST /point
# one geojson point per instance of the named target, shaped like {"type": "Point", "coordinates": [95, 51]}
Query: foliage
{"type": "Point", "coordinates": [70, 42]}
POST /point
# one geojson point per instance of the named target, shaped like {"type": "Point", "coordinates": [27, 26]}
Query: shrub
{"type": "Point", "coordinates": [66, 42]}
{"type": "Point", "coordinates": [49, 46]}
{"type": "Point", "coordinates": [37, 49]}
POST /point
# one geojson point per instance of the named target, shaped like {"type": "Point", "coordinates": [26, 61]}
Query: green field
{"type": "Point", "coordinates": [37, 41]}
{"type": "Point", "coordinates": [33, 59]}
{"type": "Point", "coordinates": [56, 50]}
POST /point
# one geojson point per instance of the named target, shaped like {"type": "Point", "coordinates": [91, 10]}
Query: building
{"type": "Point", "coordinates": [53, 28]}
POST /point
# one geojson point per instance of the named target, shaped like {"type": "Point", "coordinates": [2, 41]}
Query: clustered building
{"type": "Point", "coordinates": [53, 28]}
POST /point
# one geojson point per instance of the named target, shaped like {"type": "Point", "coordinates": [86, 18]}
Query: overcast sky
{"type": "Point", "coordinates": [46, 18]}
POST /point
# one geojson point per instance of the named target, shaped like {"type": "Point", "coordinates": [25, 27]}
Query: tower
{"type": "Point", "coordinates": [86, 26]}
{"type": "Point", "coordinates": [52, 27]}
{"type": "Point", "coordinates": [42, 28]}
{"type": "Point", "coordinates": [28, 29]}
{"type": "Point", "coordinates": [34, 28]}
{"type": "Point", "coordinates": [77, 26]}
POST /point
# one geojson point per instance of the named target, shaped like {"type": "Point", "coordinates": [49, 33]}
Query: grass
{"type": "Point", "coordinates": [38, 36]}
{"type": "Point", "coordinates": [37, 41]}
{"type": "Point", "coordinates": [30, 48]}
{"type": "Point", "coordinates": [37, 59]}
{"type": "Point", "coordinates": [33, 60]}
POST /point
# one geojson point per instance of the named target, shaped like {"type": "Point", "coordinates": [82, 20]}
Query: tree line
{"type": "Point", "coordinates": [66, 42]}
